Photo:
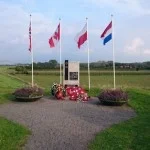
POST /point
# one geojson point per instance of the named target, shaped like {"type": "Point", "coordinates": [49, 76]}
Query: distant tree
{"type": "Point", "coordinates": [21, 69]}
{"type": "Point", "coordinates": [53, 63]}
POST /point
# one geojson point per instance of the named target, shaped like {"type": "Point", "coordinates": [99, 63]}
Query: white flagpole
{"type": "Point", "coordinates": [113, 51]}
{"type": "Point", "coordinates": [60, 52]}
{"type": "Point", "coordinates": [88, 54]}
{"type": "Point", "coordinates": [31, 53]}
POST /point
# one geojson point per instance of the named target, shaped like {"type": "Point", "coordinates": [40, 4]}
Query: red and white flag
{"type": "Point", "coordinates": [55, 37]}
{"type": "Point", "coordinates": [30, 42]}
{"type": "Point", "coordinates": [81, 37]}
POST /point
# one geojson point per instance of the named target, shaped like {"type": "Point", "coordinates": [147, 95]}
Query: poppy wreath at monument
{"type": "Point", "coordinates": [73, 93]}
{"type": "Point", "coordinates": [76, 93]}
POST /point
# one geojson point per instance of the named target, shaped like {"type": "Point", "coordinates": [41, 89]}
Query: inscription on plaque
{"type": "Point", "coordinates": [73, 75]}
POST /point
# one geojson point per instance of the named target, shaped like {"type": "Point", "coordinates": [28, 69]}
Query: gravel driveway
{"type": "Point", "coordinates": [63, 125]}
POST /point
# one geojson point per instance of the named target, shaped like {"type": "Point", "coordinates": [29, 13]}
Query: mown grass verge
{"type": "Point", "coordinates": [12, 135]}
{"type": "Point", "coordinates": [7, 87]}
{"type": "Point", "coordinates": [133, 134]}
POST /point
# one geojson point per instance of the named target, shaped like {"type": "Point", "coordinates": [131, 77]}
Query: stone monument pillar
{"type": "Point", "coordinates": [71, 73]}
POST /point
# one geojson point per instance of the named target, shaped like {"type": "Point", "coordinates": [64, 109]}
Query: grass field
{"type": "Point", "coordinates": [133, 134]}
{"type": "Point", "coordinates": [99, 78]}
{"type": "Point", "coordinates": [12, 135]}
{"type": "Point", "coordinates": [7, 87]}
{"type": "Point", "coordinates": [102, 81]}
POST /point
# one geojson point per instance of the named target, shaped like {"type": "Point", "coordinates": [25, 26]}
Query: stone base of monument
{"type": "Point", "coordinates": [70, 83]}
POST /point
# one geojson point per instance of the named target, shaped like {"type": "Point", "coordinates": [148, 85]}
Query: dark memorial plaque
{"type": "Point", "coordinates": [73, 75]}
{"type": "Point", "coordinates": [66, 69]}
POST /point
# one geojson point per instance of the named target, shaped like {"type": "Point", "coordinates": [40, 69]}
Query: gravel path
{"type": "Point", "coordinates": [63, 125]}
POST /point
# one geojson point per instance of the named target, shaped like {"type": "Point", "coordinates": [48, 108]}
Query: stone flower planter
{"type": "Point", "coordinates": [28, 99]}
{"type": "Point", "coordinates": [114, 97]}
{"type": "Point", "coordinates": [28, 94]}
{"type": "Point", "coordinates": [114, 103]}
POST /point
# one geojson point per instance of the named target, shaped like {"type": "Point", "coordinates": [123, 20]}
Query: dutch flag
{"type": "Point", "coordinates": [107, 34]}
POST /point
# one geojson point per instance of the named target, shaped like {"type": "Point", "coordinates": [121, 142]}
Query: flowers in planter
{"type": "Point", "coordinates": [28, 92]}
{"type": "Point", "coordinates": [71, 92]}
{"type": "Point", "coordinates": [113, 97]}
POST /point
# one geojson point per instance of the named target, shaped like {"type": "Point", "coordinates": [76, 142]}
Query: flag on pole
{"type": "Point", "coordinates": [54, 39]}
{"type": "Point", "coordinates": [107, 34]}
{"type": "Point", "coordinates": [81, 37]}
{"type": "Point", "coordinates": [31, 49]}
{"type": "Point", "coordinates": [30, 42]}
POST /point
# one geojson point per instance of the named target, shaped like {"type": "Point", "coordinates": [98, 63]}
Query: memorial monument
{"type": "Point", "coordinates": [71, 73]}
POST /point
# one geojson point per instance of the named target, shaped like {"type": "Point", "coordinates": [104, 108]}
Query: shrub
{"type": "Point", "coordinates": [29, 92]}
{"type": "Point", "coordinates": [113, 97]}
{"type": "Point", "coordinates": [21, 69]}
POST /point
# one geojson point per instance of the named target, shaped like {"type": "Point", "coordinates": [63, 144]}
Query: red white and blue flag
{"type": "Point", "coordinates": [54, 39]}
{"type": "Point", "coordinates": [107, 34]}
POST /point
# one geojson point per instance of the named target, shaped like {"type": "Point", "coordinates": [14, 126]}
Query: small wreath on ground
{"type": "Point", "coordinates": [58, 91]}
{"type": "Point", "coordinates": [115, 97]}
{"type": "Point", "coordinates": [28, 93]}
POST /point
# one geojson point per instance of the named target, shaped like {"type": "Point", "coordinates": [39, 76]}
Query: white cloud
{"type": "Point", "coordinates": [147, 51]}
{"type": "Point", "coordinates": [28, 1]}
{"type": "Point", "coordinates": [15, 24]}
{"type": "Point", "coordinates": [14, 28]}
{"type": "Point", "coordinates": [14, 31]}
{"type": "Point", "coordinates": [132, 7]}
{"type": "Point", "coordinates": [136, 47]}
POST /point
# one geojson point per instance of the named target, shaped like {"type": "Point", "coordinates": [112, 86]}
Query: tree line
{"type": "Point", "coordinates": [100, 65]}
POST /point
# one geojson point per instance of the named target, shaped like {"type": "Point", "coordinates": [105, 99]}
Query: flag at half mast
{"type": "Point", "coordinates": [107, 33]}
{"type": "Point", "coordinates": [81, 37]}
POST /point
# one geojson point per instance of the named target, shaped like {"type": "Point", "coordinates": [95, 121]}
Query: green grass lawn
{"type": "Point", "coordinates": [7, 87]}
{"type": "Point", "coordinates": [12, 135]}
{"type": "Point", "coordinates": [133, 134]}
{"type": "Point", "coordinates": [101, 81]}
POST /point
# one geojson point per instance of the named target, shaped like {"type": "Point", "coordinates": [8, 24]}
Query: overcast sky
{"type": "Point", "coordinates": [131, 27]}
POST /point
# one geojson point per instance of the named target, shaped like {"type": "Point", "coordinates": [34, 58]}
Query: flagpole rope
{"type": "Point", "coordinates": [88, 55]}
{"type": "Point", "coordinates": [31, 53]}
{"type": "Point", "coordinates": [113, 51]}
{"type": "Point", "coordinates": [60, 51]}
